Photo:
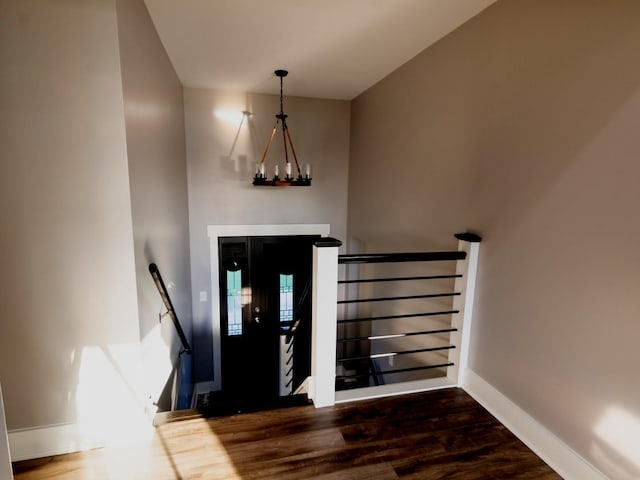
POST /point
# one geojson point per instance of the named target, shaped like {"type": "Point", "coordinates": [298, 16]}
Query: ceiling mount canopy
{"type": "Point", "coordinates": [289, 180]}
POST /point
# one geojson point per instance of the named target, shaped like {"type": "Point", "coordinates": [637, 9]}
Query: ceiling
{"type": "Point", "coordinates": [332, 48]}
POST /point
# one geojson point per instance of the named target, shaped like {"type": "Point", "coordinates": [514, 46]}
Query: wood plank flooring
{"type": "Point", "coordinates": [443, 434]}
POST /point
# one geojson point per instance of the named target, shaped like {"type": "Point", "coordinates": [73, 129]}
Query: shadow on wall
{"type": "Point", "coordinates": [238, 166]}
{"type": "Point", "coordinates": [538, 104]}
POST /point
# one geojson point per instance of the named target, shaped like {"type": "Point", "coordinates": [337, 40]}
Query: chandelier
{"type": "Point", "coordinates": [291, 179]}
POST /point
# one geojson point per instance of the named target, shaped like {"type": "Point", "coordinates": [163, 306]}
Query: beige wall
{"type": "Point", "coordinates": [523, 125]}
{"type": "Point", "coordinates": [220, 190]}
{"type": "Point", "coordinates": [69, 330]}
{"type": "Point", "coordinates": [154, 120]}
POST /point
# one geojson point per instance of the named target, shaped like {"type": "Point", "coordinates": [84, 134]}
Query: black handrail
{"type": "Point", "coordinates": [399, 279]}
{"type": "Point", "coordinates": [402, 257]}
{"type": "Point", "coordinates": [157, 278]}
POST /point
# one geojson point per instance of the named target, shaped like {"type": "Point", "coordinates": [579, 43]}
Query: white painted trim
{"type": "Point", "coordinates": [557, 454]}
{"type": "Point", "coordinates": [6, 472]}
{"type": "Point", "coordinates": [215, 232]}
{"type": "Point", "coordinates": [473, 253]}
{"type": "Point", "coordinates": [463, 321]}
{"type": "Point", "coordinates": [267, 230]}
{"type": "Point", "coordinates": [393, 389]}
{"type": "Point", "coordinates": [324, 315]}
{"type": "Point", "coordinates": [49, 440]}
{"type": "Point", "coordinates": [119, 430]}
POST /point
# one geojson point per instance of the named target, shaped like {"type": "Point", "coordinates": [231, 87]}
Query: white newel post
{"type": "Point", "coordinates": [466, 285]}
{"type": "Point", "coordinates": [6, 471]}
{"type": "Point", "coordinates": [324, 322]}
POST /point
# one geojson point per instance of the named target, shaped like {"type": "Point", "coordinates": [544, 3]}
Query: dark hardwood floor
{"type": "Point", "coordinates": [443, 434]}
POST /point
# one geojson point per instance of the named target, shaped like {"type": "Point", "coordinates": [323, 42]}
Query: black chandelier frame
{"type": "Point", "coordinates": [260, 178]}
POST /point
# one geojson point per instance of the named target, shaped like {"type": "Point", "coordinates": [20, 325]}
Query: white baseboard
{"type": "Point", "coordinates": [126, 429]}
{"type": "Point", "coordinates": [49, 440]}
{"type": "Point", "coordinates": [553, 451]}
{"type": "Point", "coordinates": [393, 389]}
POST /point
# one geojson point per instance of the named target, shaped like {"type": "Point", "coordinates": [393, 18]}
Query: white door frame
{"type": "Point", "coordinates": [217, 231]}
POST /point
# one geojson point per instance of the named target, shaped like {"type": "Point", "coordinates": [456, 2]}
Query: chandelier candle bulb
{"type": "Point", "coordinates": [276, 171]}
{"type": "Point", "coordinates": [262, 169]}
{"type": "Point", "coordinates": [288, 169]}
{"type": "Point", "coordinates": [308, 171]}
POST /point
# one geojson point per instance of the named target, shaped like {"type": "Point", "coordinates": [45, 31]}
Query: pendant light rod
{"type": "Point", "coordinates": [281, 74]}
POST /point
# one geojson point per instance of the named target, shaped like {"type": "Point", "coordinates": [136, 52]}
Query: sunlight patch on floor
{"type": "Point", "coordinates": [172, 453]}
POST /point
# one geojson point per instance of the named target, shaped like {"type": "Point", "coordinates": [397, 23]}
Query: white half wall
{"type": "Point", "coordinates": [322, 387]}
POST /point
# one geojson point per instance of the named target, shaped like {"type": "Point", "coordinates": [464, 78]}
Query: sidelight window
{"type": "Point", "coordinates": [234, 302]}
{"type": "Point", "coordinates": [286, 300]}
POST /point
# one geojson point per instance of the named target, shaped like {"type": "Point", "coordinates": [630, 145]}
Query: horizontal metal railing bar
{"type": "Point", "coordinates": [399, 370]}
{"type": "Point", "coordinates": [405, 297]}
{"type": "Point", "coordinates": [396, 335]}
{"type": "Point", "coordinates": [399, 279]}
{"type": "Point", "coordinates": [401, 257]}
{"type": "Point", "coordinates": [393, 317]}
{"type": "Point", "coordinates": [394, 354]}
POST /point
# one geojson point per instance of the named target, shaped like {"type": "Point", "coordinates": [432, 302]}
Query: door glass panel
{"type": "Point", "coordinates": [234, 302]}
{"type": "Point", "coordinates": [286, 301]}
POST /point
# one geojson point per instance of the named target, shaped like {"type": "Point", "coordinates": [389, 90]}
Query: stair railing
{"type": "Point", "coordinates": [162, 289]}
{"type": "Point", "coordinates": [431, 351]}
{"type": "Point", "coordinates": [371, 348]}
{"type": "Point", "coordinates": [288, 332]}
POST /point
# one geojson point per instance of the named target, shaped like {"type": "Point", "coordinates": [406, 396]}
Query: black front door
{"type": "Point", "coordinates": [265, 293]}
